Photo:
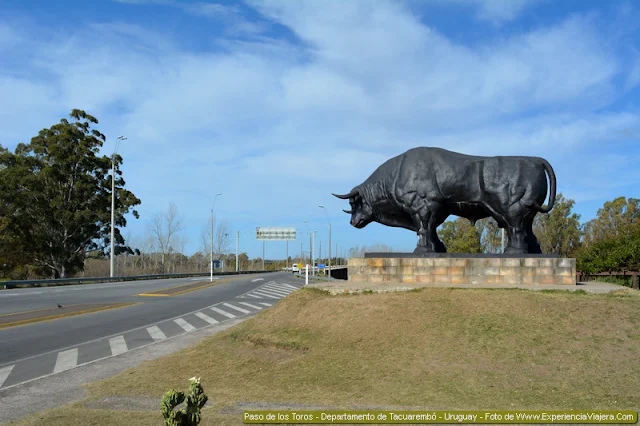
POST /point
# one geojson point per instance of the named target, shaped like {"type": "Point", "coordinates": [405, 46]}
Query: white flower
{"type": "Point", "coordinates": [193, 379]}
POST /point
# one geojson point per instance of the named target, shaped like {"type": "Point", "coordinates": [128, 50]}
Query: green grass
{"type": "Point", "coordinates": [436, 348]}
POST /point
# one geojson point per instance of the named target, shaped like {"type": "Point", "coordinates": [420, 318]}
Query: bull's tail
{"type": "Point", "coordinates": [552, 193]}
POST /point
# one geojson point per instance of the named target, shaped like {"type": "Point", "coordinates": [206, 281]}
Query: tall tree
{"type": "Point", "coordinates": [559, 232]}
{"type": "Point", "coordinates": [460, 236]}
{"type": "Point", "coordinates": [616, 219]}
{"type": "Point", "coordinates": [490, 235]}
{"type": "Point", "coordinates": [56, 193]}
{"type": "Point", "coordinates": [166, 228]}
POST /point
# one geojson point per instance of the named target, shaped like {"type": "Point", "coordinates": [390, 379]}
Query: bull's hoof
{"type": "Point", "coordinates": [515, 250]}
{"type": "Point", "coordinates": [423, 250]}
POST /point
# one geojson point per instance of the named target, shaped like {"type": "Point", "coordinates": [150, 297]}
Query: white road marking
{"type": "Point", "coordinates": [289, 285]}
{"type": "Point", "coordinates": [266, 304]}
{"type": "Point", "coordinates": [262, 293]}
{"type": "Point", "coordinates": [118, 345]}
{"type": "Point", "coordinates": [156, 333]}
{"type": "Point", "coordinates": [229, 305]}
{"type": "Point", "coordinates": [257, 279]}
{"type": "Point", "coordinates": [275, 291]}
{"type": "Point", "coordinates": [206, 317]}
{"type": "Point", "coordinates": [4, 373]}
{"type": "Point", "coordinates": [66, 360]}
{"type": "Point", "coordinates": [254, 296]}
{"type": "Point", "coordinates": [221, 312]}
{"type": "Point", "coordinates": [185, 325]}
{"type": "Point", "coordinates": [250, 305]}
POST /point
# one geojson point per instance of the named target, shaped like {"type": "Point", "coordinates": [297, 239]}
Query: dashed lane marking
{"type": "Point", "coordinates": [66, 360]}
{"type": "Point", "coordinates": [229, 305]}
{"type": "Point", "coordinates": [206, 317]}
{"type": "Point", "coordinates": [250, 305]}
{"type": "Point", "coordinates": [155, 333]}
{"type": "Point", "coordinates": [185, 325]}
{"type": "Point", "coordinates": [118, 345]}
{"type": "Point", "coordinates": [221, 312]}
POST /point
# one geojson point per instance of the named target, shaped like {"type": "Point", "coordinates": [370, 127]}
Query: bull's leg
{"type": "Point", "coordinates": [517, 232]}
{"type": "Point", "coordinates": [532, 241]}
{"type": "Point", "coordinates": [436, 220]}
{"type": "Point", "coordinates": [421, 224]}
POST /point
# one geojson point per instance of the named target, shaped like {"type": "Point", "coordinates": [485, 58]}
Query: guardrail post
{"type": "Point", "coordinates": [306, 275]}
{"type": "Point", "coordinates": [634, 281]}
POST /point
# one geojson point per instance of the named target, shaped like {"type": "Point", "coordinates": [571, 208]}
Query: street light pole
{"type": "Point", "coordinates": [211, 246]}
{"type": "Point", "coordinates": [113, 201]}
{"type": "Point", "coordinates": [311, 257]}
{"type": "Point", "coordinates": [327, 214]}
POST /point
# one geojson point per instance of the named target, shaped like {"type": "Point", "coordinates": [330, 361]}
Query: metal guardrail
{"type": "Point", "coordinates": [64, 281]}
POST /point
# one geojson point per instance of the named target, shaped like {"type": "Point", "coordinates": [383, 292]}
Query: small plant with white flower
{"type": "Point", "coordinates": [190, 414]}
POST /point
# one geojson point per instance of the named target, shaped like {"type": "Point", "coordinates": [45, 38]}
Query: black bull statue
{"type": "Point", "coordinates": [419, 189]}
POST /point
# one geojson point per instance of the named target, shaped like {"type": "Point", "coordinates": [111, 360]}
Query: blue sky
{"type": "Point", "coordinates": [277, 104]}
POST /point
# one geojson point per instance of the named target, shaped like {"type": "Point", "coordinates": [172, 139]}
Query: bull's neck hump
{"type": "Point", "coordinates": [375, 192]}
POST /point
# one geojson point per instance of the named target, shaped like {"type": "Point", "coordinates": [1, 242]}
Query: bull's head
{"type": "Point", "coordinates": [361, 212]}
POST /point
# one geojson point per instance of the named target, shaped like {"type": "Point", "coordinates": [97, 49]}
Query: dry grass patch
{"type": "Point", "coordinates": [435, 348]}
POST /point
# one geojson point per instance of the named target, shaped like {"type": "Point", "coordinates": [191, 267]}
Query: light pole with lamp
{"type": "Point", "coordinates": [113, 198]}
{"type": "Point", "coordinates": [329, 261]}
{"type": "Point", "coordinates": [211, 247]}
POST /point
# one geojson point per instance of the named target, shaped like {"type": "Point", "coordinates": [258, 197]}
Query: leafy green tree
{"type": "Point", "coordinates": [459, 236]}
{"type": "Point", "coordinates": [616, 219]}
{"type": "Point", "coordinates": [490, 235]}
{"type": "Point", "coordinates": [559, 232]}
{"type": "Point", "coordinates": [56, 196]}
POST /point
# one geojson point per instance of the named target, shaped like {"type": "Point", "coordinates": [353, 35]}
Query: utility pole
{"type": "Point", "coordinates": [263, 255]}
{"type": "Point", "coordinates": [286, 260]}
{"type": "Point", "coordinates": [329, 260]}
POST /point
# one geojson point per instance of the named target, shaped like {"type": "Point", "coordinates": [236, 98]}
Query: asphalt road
{"type": "Point", "coordinates": [29, 345]}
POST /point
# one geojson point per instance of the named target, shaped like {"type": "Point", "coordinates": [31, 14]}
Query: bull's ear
{"type": "Point", "coordinates": [352, 194]}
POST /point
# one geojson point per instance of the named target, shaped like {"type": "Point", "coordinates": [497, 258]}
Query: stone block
{"type": "Point", "coordinates": [547, 263]}
{"type": "Point", "coordinates": [541, 271]}
{"type": "Point", "coordinates": [461, 263]}
{"type": "Point", "coordinates": [527, 271]}
{"type": "Point", "coordinates": [512, 263]}
{"type": "Point", "coordinates": [510, 271]}
{"type": "Point", "coordinates": [441, 262]}
{"type": "Point", "coordinates": [459, 279]}
{"type": "Point", "coordinates": [423, 270]}
{"type": "Point", "coordinates": [409, 279]}
{"type": "Point", "coordinates": [545, 279]}
{"type": "Point", "coordinates": [476, 279]}
{"type": "Point", "coordinates": [491, 270]}
{"type": "Point", "coordinates": [494, 279]}
{"type": "Point", "coordinates": [409, 262]}
{"type": "Point", "coordinates": [527, 279]}
{"type": "Point", "coordinates": [473, 270]}
{"type": "Point", "coordinates": [531, 262]}
{"type": "Point", "coordinates": [390, 270]}
{"type": "Point", "coordinates": [374, 262]}
{"type": "Point", "coordinates": [424, 279]}
{"type": "Point", "coordinates": [356, 262]}
{"type": "Point", "coordinates": [441, 279]}
{"type": "Point", "coordinates": [440, 270]}
{"type": "Point", "coordinates": [390, 262]}
{"type": "Point", "coordinates": [357, 278]}
{"type": "Point", "coordinates": [511, 279]}
{"type": "Point", "coordinates": [567, 263]}
{"type": "Point", "coordinates": [568, 280]}
{"type": "Point", "coordinates": [407, 270]}
{"type": "Point", "coordinates": [562, 272]}
{"type": "Point", "coordinates": [455, 270]}
{"type": "Point", "coordinates": [376, 279]}
{"type": "Point", "coordinates": [426, 262]}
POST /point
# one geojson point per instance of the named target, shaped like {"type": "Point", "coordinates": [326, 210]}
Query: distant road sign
{"type": "Point", "coordinates": [276, 233]}
{"type": "Point", "coordinates": [218, 264]}
{"type": "Point", "coordinates": [321, 266]}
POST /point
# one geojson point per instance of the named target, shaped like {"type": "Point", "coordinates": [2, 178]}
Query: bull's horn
{"type": "Point", "coordinates": [348, 211]}
{"type": "Point", "coordinates": [349, 195]}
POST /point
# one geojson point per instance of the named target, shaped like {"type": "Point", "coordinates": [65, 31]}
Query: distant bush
{"type": "Point", "coordinates": [610, 255]}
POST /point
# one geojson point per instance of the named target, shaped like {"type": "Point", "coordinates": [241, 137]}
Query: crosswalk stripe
{"type": "Point", "coordinates": [289, 285]}
{"type": "Point", "coordinates": [221, 312]}
{"type": "Point", "coordinates": [66, 360]}
{"type": "Point", "coordinates": [229, 305]}
{"type": "Point", "coordinates": [265, 304]}
{"type": "Point", "coordinates": [275, 293]}
{"type": "Point", "coordinates": [185, 325]}
{"type": "Point", "coordinates": [118, 345]}
{"type": "Point", "coordinates": [261, 293]}
{"type": "Point", "coordinates": [250, 305]}
{"type": "Point", "coordinates": [4, 373]}
{"type": "Point", "coordinates": [156, 333]}
{"type": "Point", "coordinates": [254, 296]}
{"type": "Point", "coordinates": [206, 317]}
{"type": "Point", "coordinates": [276, 290]}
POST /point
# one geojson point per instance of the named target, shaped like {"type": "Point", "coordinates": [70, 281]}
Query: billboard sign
{"type": "Point", "coordinates": [218, 264]}
{"type": "Point", "coordinates": [276, 234]}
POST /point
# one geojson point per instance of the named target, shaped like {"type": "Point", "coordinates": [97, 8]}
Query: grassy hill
{"type": "Point", "coordinates": [434, 349]}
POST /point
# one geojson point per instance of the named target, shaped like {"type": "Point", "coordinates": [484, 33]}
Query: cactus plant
{"type": "Point", "coordinates": [190, 414]}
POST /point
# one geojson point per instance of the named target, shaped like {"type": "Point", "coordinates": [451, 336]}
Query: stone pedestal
{"type": "Point", "coordinates": [461, 269]}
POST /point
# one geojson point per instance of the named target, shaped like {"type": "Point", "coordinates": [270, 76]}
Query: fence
{"type": "Point", "coordinates": [581, 276]}
{"type": "Point", "coordinates": [64, 281]}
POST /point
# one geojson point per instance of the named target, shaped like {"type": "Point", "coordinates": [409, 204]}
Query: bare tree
{"type": "Point", "coordinates": [221, 238]}
{"type": "Point", "coordinates": [165, 229]}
